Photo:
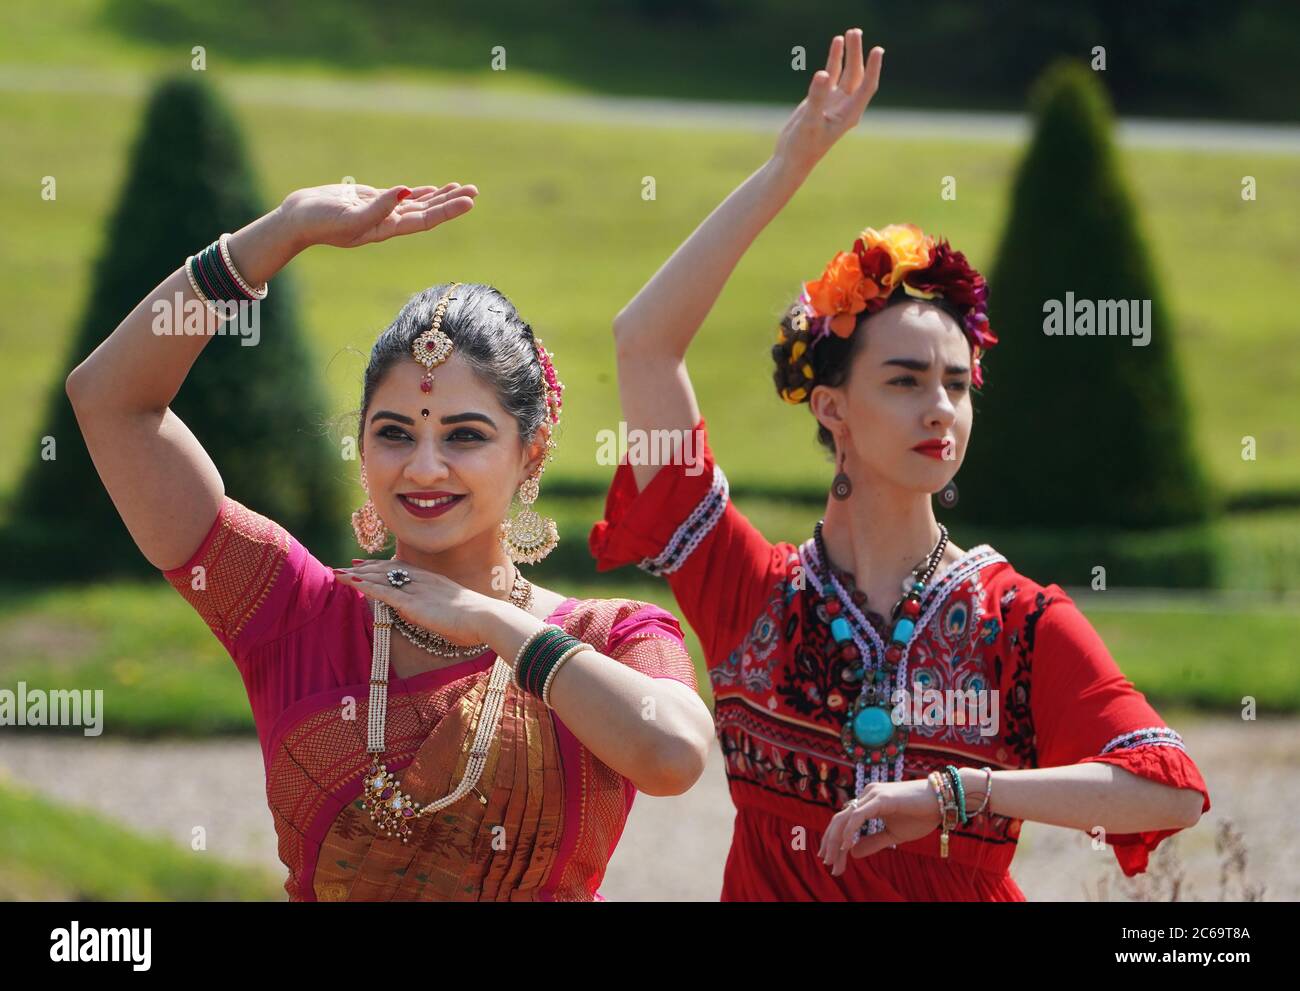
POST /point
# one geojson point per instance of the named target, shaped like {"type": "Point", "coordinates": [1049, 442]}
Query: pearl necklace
{"type": "Point", "coordinates": [394, 811]}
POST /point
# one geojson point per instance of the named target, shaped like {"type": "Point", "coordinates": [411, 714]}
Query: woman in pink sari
{"type": "Point", "coordinates": [492, 750]}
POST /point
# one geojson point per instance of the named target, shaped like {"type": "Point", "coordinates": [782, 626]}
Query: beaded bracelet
{"type": "Point", "coordinates": [988, 790]}
{"type": "Point", "coordinates": [933, 778]}
{"type": "Point", "coordinates": [248, 290]}
{"type": "Point", "coordinates": [940, 784]}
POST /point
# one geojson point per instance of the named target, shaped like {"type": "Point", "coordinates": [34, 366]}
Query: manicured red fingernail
{"type": "Point", "coordinates": [403, 194]}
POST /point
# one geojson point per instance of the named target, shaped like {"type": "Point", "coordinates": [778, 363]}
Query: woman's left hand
{"type": "Point", "coordinates": [909, 810]}
{"type": "Point", "coordinates": [428, 600]}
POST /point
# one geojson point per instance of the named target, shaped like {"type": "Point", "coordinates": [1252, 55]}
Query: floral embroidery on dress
{"type": "Point", "coordinates": [1018, 715]}
{"type": "Point", "coordinates": [945, 656]}
{"type": "Point", "coordinates": [751, 663]}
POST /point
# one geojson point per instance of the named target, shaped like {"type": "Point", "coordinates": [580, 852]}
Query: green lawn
{"type": "Point", "coordinates": [569, 239]}
{"type": "Point", "coordinates": [51, 852]}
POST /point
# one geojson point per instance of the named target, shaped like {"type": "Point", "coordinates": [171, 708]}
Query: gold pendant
{"type": "Point", "coordinates": [392, 811]}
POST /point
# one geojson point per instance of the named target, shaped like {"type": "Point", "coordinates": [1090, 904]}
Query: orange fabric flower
{"type": "Point", "coordinates": [841, 293]}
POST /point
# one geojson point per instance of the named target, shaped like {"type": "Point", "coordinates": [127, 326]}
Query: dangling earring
{"type": "Point", "coordinates": [948, 495]}
{"type": "Point", "coordinates": [371, 533]}
{"type": "Point", "coordinates": [528, 537]}
{"type": "Point", "coordinates": [841, 486]}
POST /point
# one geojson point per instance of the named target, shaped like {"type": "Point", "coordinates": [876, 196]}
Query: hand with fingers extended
{"type": "Point", "coordinates": [837, 97]}
{"type": "Point", "coordinates": [349, 214]}
{"type": "Point", "coordinates": [428, 600]}
{"type": "Point", "coordinates": [909, 811]}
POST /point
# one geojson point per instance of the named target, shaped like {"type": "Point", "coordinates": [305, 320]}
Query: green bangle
{"type": "Point", "coordinates": [961, 793]}
{"type": "Point", "coordinates": [522, 656]}
{"type": "Point", "coordinates": [525, 661]}
{"type": "Point", "coordinates": [547, 658]}
{"type": "Point", "coordinates": [545, 655]}
{"type": "Point", "coordinates": [217, 274]}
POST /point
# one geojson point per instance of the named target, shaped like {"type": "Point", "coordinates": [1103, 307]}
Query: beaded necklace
{"type": "Point", "coordinates": [869, 736]}
{"type": "Point", "coordinates": [391, 808]}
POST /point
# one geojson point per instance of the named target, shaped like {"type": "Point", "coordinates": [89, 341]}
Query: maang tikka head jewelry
{"type": "Point", "coordinates": [529, 537]}
{"type": "Point", "coordinates": [433, 347]}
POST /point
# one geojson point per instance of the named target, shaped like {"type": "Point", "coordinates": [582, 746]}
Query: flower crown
{"type": "Point", "coordinates": [865, 278]}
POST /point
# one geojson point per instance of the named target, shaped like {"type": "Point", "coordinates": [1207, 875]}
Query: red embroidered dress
{"type": "Point", "coordinates": [782, 694]}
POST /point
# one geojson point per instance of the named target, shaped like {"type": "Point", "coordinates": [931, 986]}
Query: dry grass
{"type": "Point", "coordinates": [1165, 879]}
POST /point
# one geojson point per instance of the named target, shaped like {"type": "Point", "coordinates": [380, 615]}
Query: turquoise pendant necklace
{"type": "Point", "coordinates": [869, 736]}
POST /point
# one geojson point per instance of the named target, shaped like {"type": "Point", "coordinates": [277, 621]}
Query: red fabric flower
{"type": "Point", "coordinates": [951, 276]}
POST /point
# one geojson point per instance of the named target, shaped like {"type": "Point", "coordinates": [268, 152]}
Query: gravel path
{"type": "Point", "coordinates": [675, 848]}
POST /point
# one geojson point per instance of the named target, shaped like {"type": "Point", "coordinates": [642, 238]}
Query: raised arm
{"type": "Point", "coordinates": [653, 332]}
{"type": "Point", "coordinates": [160, 478]}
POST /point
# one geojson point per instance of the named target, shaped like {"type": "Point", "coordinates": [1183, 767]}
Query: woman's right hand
{"type": "Point", "coordinates": [837, 97]}
{"type": "Point", "coordinates": [349, 214]}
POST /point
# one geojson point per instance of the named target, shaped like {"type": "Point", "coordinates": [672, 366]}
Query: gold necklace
{"type": "Point", "coordinates": [521, 594]}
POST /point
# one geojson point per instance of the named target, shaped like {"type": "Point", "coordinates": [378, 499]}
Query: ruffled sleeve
{"type": "Point", "coordinates": [685, 528]}
{"type": "Point", "coordinates": [1085, 710]}
{"type": "Point", "coordinates": [250, 580]}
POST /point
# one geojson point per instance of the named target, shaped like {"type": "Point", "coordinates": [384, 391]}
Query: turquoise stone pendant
{"type": "Point", "coordinates": [869, 735]}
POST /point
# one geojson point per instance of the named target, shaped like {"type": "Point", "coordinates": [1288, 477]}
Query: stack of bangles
{"type": "Point", "coordinates": [541, 656]}
{"type": "Point", "coordinates": [951, 794]}
{"type": "Point", "coordinates": [217, 282]}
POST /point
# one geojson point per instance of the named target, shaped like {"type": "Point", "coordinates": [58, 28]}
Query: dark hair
{"type": "Point", "coordinates": [487, 332]}
{"type": "Point", "coordinates": [829, 362]}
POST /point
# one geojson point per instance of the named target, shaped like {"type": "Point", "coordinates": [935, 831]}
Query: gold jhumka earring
{"type": "Point", "coordinates": [371, 533]}
{"type": "Point", "coordinates": [529, 537]}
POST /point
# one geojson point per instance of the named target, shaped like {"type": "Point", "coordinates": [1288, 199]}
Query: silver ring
{"type": "Point", "coordinates": [399, 577]}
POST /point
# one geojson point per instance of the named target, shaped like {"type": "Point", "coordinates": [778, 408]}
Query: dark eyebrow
{"type": "Point", "coordinates": [467, 417]}
{"type": "Point", "coordinates": [388, 414]}
{"type": "Point", "coordinates": [912, 364]}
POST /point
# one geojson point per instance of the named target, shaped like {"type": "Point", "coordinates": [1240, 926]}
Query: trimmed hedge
{"type": "Point", "coordinates": [259, 411]}
{"type": "Point", "coordinates": [1078, 431]}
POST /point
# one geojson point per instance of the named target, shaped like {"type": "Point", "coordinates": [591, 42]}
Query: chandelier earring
{"type": "Point", "coordinates": [370, 530]}
{"type": "Point", "coordinates": [528, 537]}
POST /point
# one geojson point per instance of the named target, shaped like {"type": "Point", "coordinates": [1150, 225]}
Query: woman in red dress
{"type": "Point", "coordinates": [890, 706]}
